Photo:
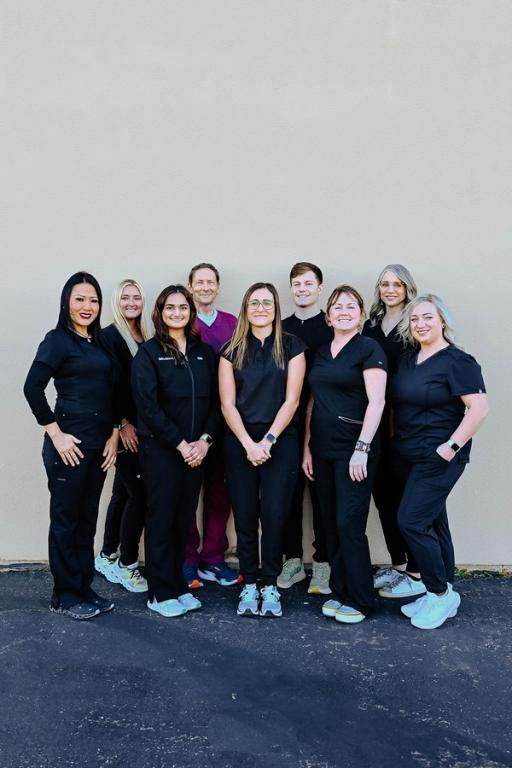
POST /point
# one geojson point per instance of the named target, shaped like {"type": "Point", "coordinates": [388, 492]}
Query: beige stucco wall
{"type": "Point", "coordinates": [140, 137]}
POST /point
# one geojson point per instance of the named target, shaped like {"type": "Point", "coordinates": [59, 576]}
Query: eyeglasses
{"type": "Point", "coordinates": [397, 286]}
{"type": "Point", "coordinates": [256, 303]}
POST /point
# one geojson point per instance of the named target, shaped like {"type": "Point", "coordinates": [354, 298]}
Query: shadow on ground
{"type": "Point", "coordinates": [213, 690]}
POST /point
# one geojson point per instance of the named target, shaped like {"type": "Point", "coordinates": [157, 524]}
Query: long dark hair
{"type": "Point", "coordinates": [64, 322]}
{"type": "Point", "coordinates": [168, 344]}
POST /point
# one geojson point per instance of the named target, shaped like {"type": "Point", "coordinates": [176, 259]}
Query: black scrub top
{"type": "Point", "coordinates": [314, 332]}
{"type": "Point", "coordinates": [120, 353]}
{"type": "Point", "coordinates": [176, 402]}
{"type": "Point", "coordinates": [337, 385]}
{"type": "Point", "coordinates": [426, 400]}
{"type": "Point", "coordinates": [83, 375]}
{"type": "Point", "coordinates": [392, 344]}
{"type": "Point", "coordinates": [260, 384]}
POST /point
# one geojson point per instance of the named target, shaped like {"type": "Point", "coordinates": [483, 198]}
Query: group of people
{"type": "Point", "coordinates": [251, 409]}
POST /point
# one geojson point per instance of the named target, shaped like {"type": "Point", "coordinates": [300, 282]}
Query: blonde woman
{"type": "Point", "coordinates": [439, 402]}
{"type": "Point", "coordinates": [260, 375]}
{"type": "Point", "coordinates": [125, 515]}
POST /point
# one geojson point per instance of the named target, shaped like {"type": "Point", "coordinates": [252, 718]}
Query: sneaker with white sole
{"type": "Point", "coordinates": [403, 586]}
{"type": "Point", "coordinates": [319, 584]}
{"type": "Point", "coordinates": [220, 573]}
{"type": "Point", "coordinates": [384, 576]}
{"type": "Point", "coordinates": [411, 609]}
{"type": "Point", "coordinates": [436, 609]}
{"type": "Point", "coordinates": [270, 602]}
{"type": "Point", "coordinates": [292, 572]}
{"type": "Point", "coordinates": [104, 564]}
{"type": "Point", "coordinates": [190, 602]}
{"type": "Point", "coordinates": [330, 607]}
{"type": "Point", "coordinates": [129, 577]}
{"type": "Point", "coordinates": [168, 608]}
{"type": "Point", "coordinates": [248, 602]}
{"type": "Point", "coordinates": [349, 615]}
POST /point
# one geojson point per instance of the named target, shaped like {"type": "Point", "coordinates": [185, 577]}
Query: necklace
{"type": "Point", "coordinates": [85, 336]}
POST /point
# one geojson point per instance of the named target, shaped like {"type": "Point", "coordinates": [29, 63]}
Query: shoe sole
{"type": "Point", "coordinates": [437, 624]}
{"type": "Point", "coordinates": [66, 612]}
{"type": "Point", "coordinates": [294, 580]}
{"type": "Point", "coordinates": [222, 582]}
{"type": "Point", "coordinates": [167, 615]}
{"type": "Point", "coordinates": [106, 572]}
{"type": "Point", "coordinates": [389, 596]}
{"type": "Point", "coordinates": [345, 619]}
{"type": "Point", "coordinates": [319, 591]}
{"type": "Point", "coordinates": [108, 608]}
{"type": "Point", "coordinates": [270, 614]}
{"type": "Point", "coordinates": [329, 613]}
{"type": "Point", "coordinates": [247, 612]}
{"type": "Point", "coordinates": [131, 588]}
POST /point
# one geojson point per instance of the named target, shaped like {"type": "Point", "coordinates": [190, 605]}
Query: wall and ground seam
{"type": "Point", "coordinates": [139, 138]}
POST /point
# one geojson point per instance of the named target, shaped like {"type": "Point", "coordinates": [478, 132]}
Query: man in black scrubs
{"type": "Point", "coordinates": [308, 323]}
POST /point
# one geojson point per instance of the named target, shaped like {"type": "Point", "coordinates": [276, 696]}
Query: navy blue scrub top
{"type": "Point", "coordinates": [337, 385]}
{"type": "Point", "coordinates": [84, 380]}
{"type": "Point", "coordinates": [260, 384]}
{"type": "Point", "coordinates": [426, 400]}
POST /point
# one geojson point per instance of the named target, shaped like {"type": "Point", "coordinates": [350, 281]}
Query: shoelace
{"type": "Point", "coordinates": [270, 594]}
{"type": "Point", "coordinates": [249, 594]}
{"type": "Point", "coordinates": [398, 579]}
{"type": "Point", "coordinates": [289, 567]}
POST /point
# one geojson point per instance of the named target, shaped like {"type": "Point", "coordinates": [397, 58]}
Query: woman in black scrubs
{"type": "Point", "coordinates": [439, 401]}
{"type": "Point", "coordinates": [394, 289]}
{"type": "Point", "coordinates": [261, 371]}
{"type": "Point", "coordinates": [348, 383]}
{"type": "Point", "coordinates": [124, 524]}
{"type": "Point", "coordinates": [174, 385]}
{"type": "Point", "coordinates": [80, 443]}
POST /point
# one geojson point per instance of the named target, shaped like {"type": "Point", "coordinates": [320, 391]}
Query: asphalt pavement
{"type": "Point", "coordinates": [212, 690]}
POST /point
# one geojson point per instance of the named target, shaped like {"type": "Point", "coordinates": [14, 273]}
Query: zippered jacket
{"type": "Point", "coordinates": [176, 402]}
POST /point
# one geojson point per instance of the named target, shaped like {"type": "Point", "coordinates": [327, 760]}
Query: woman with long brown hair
{"type": "Point", "coordinates": [174, 385]}
{"type": "Point", "coordinates": [260, 375]}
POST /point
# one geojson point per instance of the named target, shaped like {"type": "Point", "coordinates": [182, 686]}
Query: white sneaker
{"type": "Point", "coordinates": [190, 602]}
{"type": "Point", "coordinates": [292, 572]}
{"type": "Point", "coordinates": [129, 577]}
{"type": "Point", "coordinates": [104, 564]}
{"type": "Point", "coordinates": [270, 602]}
{"type": "Point", "coordinates": [248, 602]}
{"type": "Point", "coordinates": [330, 607]}
{"type": "Point", "coordinates": [349, 615]}
{"type": "Point", "coordinates": [411, 609]}
{"type": "Point", "coordinates": [319, 584]}
{"type": "Point", "coordinates": [436, 609]}
{"type": "Point", "coordinates": [384, 576]}
{"type": "Point", "coordinates": [403, 586]}
{"type": "Point", "coordinates": [167, 608]}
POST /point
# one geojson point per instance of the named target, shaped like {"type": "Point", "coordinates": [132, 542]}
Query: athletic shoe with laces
{"type": "Point", "coordinates": [78, 611]}
{"type": "Point", "coordinates": [191, 577]}
{"type": "Point", "coordinates": [104, 604]}
{"type": "Point", "coordinates": [411, 609]}
{"type": "Point", "coordinates": [248, 602]}
{"type": "Point", "coordinates": [319, 584]}
{"type": "Point", "coordinates": [168, 608]}
{"type": "Point", "coordinates": [129, 576]}
{"type": "Point", "coordinates": [403, 586]}
{"type": "Point", "coordinates": [384, 576]}
{"type": "Point", "coordinates": [349, 615]}
{"type": "Point", "coordinates": [104, 564]}
{"type": "Point", "coordinates": [292, 572]}
{"type": "Point", "coordinates": [270, 602]}
{"type": "Point", "coordinates": [436, 609]}
{"type": "Point", "coordinates": [221, 573]}
{"type": "Point", "coordinates": [190, 602]}
{"type": "Point", "coordinates": [330, 607]}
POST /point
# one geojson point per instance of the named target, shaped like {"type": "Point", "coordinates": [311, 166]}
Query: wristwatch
{"type": "Point", "coordinates": [207, 438]}
{"type": "Point", "coordinates": [271, 439]}
{"type": "Point", "coordinates": [453, 445]}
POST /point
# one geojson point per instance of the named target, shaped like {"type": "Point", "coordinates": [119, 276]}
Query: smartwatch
{"type": "Point", "coordinates": [453, 445]}
{"type": "Point", "coordinates": [271, 439]}
{"type": "Point", "coordinates": [207, 438]}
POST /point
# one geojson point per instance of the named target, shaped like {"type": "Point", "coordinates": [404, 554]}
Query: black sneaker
{"type": "Point", "coordinates": [102, 603]}
{"type": "Point", "coordinates": [78, 611]}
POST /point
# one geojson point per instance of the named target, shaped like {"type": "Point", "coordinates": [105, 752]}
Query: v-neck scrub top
{"type": "Point", "coordinates": [337, 385]}
{"type": "Point", "coordinates": [426, 398]}
{"type": "Point", "coordinates": [260, 384]}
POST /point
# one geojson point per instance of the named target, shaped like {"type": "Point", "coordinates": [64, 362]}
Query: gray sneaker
{"type": "Point", "coordinates": [292, 572]}
{"type": "Point", "coordinates": [270, 602]}
{"type": "Point", "coordinates": [248, 603]}
{"type": "Point", "coordinates": [319, 584]}
{"type": "Point", "coordinates": [384, 576]}
{"type": "Point", "coordinates": [129, 577]}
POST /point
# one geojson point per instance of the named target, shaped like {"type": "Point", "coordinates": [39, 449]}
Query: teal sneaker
{"type": "Point", "coordinates": [270, 602]}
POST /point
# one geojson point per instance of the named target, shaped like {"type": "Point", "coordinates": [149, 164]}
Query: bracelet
{"type": "Point", "coordinates": [122, 426]}
{"type": "Point", "coordinates": [363, 447]}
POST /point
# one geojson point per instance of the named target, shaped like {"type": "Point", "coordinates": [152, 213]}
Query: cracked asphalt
{"type": "Point", "coordinates": [211, 690]}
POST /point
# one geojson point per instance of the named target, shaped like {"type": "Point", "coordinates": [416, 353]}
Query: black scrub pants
{"type": "Point", "coordinates": [423, 519]}
{"type": "Point", "coordinates": [172, 493]}
{"type": "Point", "coordinates": [388, 489]}
{"type": "Point", "coordinates": [74, 500]}
{"type": "Point", "coordinates": [292, 532]}
{"type": "Point", "coordinates": [115, 510]}
{"type": "Point", "coordinates": [345, 504]}
{"type": "Point", "coordinates": [261, 495]}
{"type": "Point", "coordinates": [134, 514]}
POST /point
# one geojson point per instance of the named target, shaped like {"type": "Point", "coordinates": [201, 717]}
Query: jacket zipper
{"type": "Point", "coordinates": [189, 369]}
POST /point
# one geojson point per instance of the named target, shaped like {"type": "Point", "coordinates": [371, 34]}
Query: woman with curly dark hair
{"type": "Point", "coordinates": [174, 382]}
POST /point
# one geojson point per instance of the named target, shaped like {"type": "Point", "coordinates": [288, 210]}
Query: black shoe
{"type": "Point", "coordinates": [102, 603]}
{"type": "Point", "coordinates": [78, 611]}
